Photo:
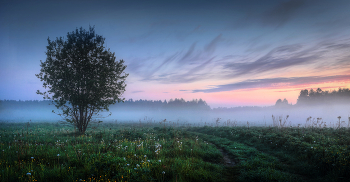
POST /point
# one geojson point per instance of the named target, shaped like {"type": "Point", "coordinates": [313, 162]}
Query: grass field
{"type": "Point", "coordinates": [157, 152]}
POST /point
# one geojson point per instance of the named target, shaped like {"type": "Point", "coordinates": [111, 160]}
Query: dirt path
{"type": "Point", "coordinates": [231, 170]}
{"type": "Point", "coordinates": [228, 161]}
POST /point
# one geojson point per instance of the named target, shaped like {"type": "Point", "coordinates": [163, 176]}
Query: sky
{"type": "Point", "coordinates": [228, 53]}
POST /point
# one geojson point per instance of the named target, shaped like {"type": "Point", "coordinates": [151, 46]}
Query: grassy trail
{"type": "Point", "coordinates": [248, 158]}
{"type": "Point", "coordinates": [46, 152]}
{"type": "Point", "coordinates": [265, 154]}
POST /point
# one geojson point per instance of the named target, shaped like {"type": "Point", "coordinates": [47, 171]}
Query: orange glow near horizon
{"type": "Point", "coordinates": [234, 98]}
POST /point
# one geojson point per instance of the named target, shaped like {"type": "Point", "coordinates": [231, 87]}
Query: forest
{"type": "Point", "coordinates": [195, 104]}
{"type": "Point", "coordinates": [306, 98]}
{"type": "Point", "coordinates": [318, 96]}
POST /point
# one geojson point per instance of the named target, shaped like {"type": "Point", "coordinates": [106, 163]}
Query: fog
{"type": "Point", "coordinates": [30, 111]}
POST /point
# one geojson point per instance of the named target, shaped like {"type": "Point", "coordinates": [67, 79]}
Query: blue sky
{"type": "Point", "coordinates": [229, 53]}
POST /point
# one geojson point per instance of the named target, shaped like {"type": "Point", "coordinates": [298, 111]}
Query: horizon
{"type": "Point", "coordinates": [228, 53]}
{"type": "Point", "coordinates": [278, 103]}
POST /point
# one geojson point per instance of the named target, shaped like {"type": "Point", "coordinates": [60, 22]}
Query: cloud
{"type": "Point", "coordinates": [330, 55]}
{"type": "Point", "coordinates": [337, 46]}
{"type": "Point", "coordinates": [275, 83]}
{"type": "Point", "coordinates": [280, 57]}
{"type": "Point", "coordinates": [210, 48]}
{"type": "Point", "coordinates": [137, 91]}
{"type": "Point", "coordinates": [183, 90]}
{"type": "Point", "coordinates": [184, 67]}
{"type": "Point", "coordinates": [165, 62]}
{"type": "Point", "coordinates": [188, 55]}
{"type": "Point", "coordinates": [194, 74]}
{"type": "Point", "coordinates": [322, 88]}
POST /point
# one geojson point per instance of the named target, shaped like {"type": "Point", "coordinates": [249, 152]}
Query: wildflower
{"type": "Point", "coordinates": [148, 161]}
{"type": "Point", "coordinates": [127, 164]}
{"type": "Point", "coordinates": [159, 160]}
{"type": "Point", "coordinates": [31, 157]}
{"type": "Point", "coordinates": [58, 155]}
{"type": "Point", "coordinates": [135, 168]}
{"type": "Point", "coordinates": [28, 174]}
{"type": "Point", "coordinates": [145, 156]}
{"type": "Point", "coordinates": [163, 172]}
{"type": "Point", "coordinates": [137, 165]}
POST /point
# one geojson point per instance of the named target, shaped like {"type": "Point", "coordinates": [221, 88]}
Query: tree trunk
{"type": "Point", "coordinates": [83, 119]}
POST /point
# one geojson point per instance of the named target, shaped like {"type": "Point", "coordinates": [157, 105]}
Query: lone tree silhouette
{"type": "Point", "coordinates": [82, 76]}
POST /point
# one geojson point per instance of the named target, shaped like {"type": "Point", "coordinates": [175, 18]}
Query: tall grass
{"type": "Point", "coordinates": [50, 152]}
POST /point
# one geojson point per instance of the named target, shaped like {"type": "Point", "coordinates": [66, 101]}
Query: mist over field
{"type": "Point", "coordinates": [41, 111]}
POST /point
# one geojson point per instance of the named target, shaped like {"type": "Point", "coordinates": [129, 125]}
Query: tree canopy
{"type": "Point", "coordinates": [82, 76]}
{"type": "Point", "coordinates": [280, 103]}
{"type": "Point", "coordinates": [318, 96]}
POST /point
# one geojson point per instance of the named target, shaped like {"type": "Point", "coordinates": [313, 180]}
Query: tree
{"type": "Point", "coordinates": [278, 102]}
{"type": "Point", "coordinates": [82, 76]}
{"type": "Point", "coordinates": [303, 97]}
{"type": "Point", "coordinates": [285, 101]}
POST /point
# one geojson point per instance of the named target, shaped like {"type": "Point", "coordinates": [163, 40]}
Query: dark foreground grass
{"type": "Point", "coordinates": [130, 152]}
{"type": "Point", "coordinates": [285, 154]}
{"type": "Point", "coordinates": [50, 152]}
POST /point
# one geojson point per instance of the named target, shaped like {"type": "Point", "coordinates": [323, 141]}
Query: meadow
{"type": "Point", "coordinates": [167, 151]}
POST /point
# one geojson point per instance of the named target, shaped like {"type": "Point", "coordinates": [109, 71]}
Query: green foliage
{"type": "Point", "coordinates": [119, 153]}
{"type": "Point", "coordinates": [157, 153]}
{"type": "Point", "coordinates": [318, 96]}
{"type": "Point", "coordinates": [81, 76]}
{"type": "Point", "coordinates": [292, 154]}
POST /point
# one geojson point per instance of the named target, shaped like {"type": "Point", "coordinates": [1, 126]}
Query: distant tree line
{"type": "Point", "coordinates": [179, 104]}
{"type": "Point", "coordinates": [282, 103]}
{"type": "Point", "coordinates": [318, 96]}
